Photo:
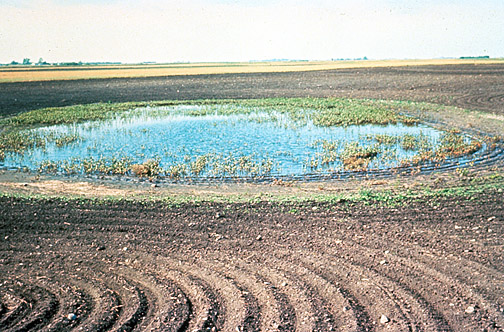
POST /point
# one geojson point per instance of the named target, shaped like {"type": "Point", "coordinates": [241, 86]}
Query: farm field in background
{"type": "Point", "coordinates": [49, 73]}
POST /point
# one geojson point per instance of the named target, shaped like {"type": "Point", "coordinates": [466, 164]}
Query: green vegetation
{"type": "Point", "coordinates": [17, 137]}
{"type": "Point", "coordinates": [357, 157]}
{"type": "Point", "coordinates": [12, 141]}
{"type": "Point", "coordinates": [216, 165]}
{"type": "Point", "coordinates": [295, 203]}
{"type": "Point", "coordinates": [323, 111]}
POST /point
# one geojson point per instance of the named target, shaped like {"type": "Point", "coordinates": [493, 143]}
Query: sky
{"type": "Point", "coordinates": [242, 30]}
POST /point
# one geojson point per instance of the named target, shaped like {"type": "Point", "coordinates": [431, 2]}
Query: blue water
{"type": "Point", "coordinates": [180, 138]}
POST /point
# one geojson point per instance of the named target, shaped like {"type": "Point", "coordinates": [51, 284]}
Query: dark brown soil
{"type": "Point", "coordinates": [430, 264]}
{"type": "Point", "coordinates": [479, 87]}
{"type": "Point", "coordinates": [261, 266]}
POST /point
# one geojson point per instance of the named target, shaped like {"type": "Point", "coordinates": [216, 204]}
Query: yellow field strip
{"type": "Point", "coordinates": [28, 74]}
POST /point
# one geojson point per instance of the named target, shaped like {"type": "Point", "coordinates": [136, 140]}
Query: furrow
{"type": "Point", "coordinates": [17, 308]}
{"type": "Point", "coordinates": [170, 309]}
{"type": "Point", "coordinates": [3, 309]}
{"type": "Point", "coordinates": [106, 306]}
{"type": "Point", "coordinates": [75, 306]}
{"type": "Point", "coordinates": [296, 310]}
{"type": "Point", "coordinates": [364, 284]}
{"type": "Point", "coordinates": [232, 311]}
{"type": "Point", "coordinates": [458, 268]}
{"type": "Point", "coordinates": [133, 301]}
{"type": "Point", "coordinates": [263, 313]}
{"type": "Point", "coordinates": [205, 309]}
{"type": "Point", "coordinates": [423, 278]}
{"type": "Point", "coordinates": [336, 310]}
{"type": "Point", "coordinates": [140, 298]}
{"type": "Point", "coordinates": [323, 320]}
{"type": "Point", "coordinates": [44, 306]}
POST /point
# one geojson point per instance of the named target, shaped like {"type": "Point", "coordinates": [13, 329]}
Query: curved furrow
{"type": "Point", "coordinates": [42, 304]}
{"type": "Point", "coordinates": [454, 276]}
{"type": "Point", "coordinates": [132, 299]}
{"type": "Point", "coordinates": [174, 311]}
{"type": "Point", "coordinates": [336, 308]}
{"type": "Point", "coordinates": [252, 314]}
{"type": "Point", "coordinates": [406, 310]}
{"type": "Point", "coordinates": [490, 281]}
{"type": "Point", "coordinates": [106, 306]}
{"type": "Point", "coordinates": [235, 311]}
{"type": "Point", "coordinates": [297, 310]}
{"type": "Point", "coordinates": [209, 303]}
{"type": "Point", "coordinates": [421, 279]}
{"type": "Point", "coordinates": [252, 310]}
{"type": "Point", "coordinates": [271, 311]}
{"type": "Point", "coordinates": [170, 309]}
{"type": "Point", "coordinates": [75, 304]}
{"type": "Point", "coordinates": [351, 313]}
{"type": "Point", "coordinates": [3, 309]}
{"type": "Point", "coordinates": [140, 312]}
{"type": "Point", "coordinates": [201, 307]}
{"type": "Point", "coordinates": [15, 309]}
{"type": "Point", "coordinates": [478, 100]}
{"type": "Point", "coordinates": [330, 309]}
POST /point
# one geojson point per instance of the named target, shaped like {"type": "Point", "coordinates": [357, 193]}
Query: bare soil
{"type": "Point", "coordinates": [478, 87]}
{"type": "Point", "coordinates": [428, 264]}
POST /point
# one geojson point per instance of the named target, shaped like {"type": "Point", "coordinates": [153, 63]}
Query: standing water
{"type": "Point", "coordinates": [172, 142]}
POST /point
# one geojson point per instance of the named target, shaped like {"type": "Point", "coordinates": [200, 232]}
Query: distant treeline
{"type": "Point", "coordinates": [475, 57]}
{"type": "Point", "coordinates": [27, 62]}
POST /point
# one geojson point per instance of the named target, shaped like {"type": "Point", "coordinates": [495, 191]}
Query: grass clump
{"type": "Point", "coordinates": [358, 157]}
{"type": "Point", "coordinates": [149, 168]}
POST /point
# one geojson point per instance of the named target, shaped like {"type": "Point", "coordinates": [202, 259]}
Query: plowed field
{"type": "Point", "coordinates": [431, 263]}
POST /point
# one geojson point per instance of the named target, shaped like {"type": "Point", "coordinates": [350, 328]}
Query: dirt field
{"type": "Point", "coordinates": [479, 87]}
{"type": "Point", "coordinates": [51, 73]}
{"type": "Point", "coordinates": [429, 264]}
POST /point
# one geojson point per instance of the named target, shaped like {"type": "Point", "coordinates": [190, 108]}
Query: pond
{"type": "Point", "coordinates": [188, 141]}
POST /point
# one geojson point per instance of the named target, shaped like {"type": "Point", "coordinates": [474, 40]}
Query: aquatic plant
{"type": "Point", "coordinates": [199, 165]}
{"type": "Point", "coordinates": [383, 139]}
{"type": "Point", "coordinates": [149, 168]}
{"type": "Point", "coordinates": [48, 166]}
{"type": "Point", "coordinates": [453, 144]}
{"type": "Point", "coordinates": [163, 160]}
{"type": "Point", "coordinates": [176, 171]}
{"type": "Point", "coordinates": [358, 157]}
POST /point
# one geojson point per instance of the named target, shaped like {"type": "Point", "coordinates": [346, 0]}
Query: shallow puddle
{"type": "Point", "coordinates": [179, 142]}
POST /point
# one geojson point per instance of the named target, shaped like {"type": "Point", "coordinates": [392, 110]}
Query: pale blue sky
{"type": "Point", "coordinates": [227, 30]}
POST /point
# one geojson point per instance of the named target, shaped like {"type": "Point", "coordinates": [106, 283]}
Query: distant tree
{"type": "Point", "coordinates": [14, 63]}
{"type": "Point", "coordinates": [26, 61]}
{"type": "Point", "coordinates": [41, 62]}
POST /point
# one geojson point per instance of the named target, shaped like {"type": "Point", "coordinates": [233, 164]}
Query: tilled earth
{"type": "Point", "coordinates": [427, 266]}
{"type": "Point", "coordinates": [479, 87]}
{"type": "Point", "coordinates": [430, 264]}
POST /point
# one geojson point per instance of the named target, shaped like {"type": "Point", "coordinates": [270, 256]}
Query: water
{"type": "Point", "coordinates": [173, 137]}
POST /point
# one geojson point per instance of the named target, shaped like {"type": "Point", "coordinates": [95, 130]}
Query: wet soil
{"type": "Point", "coordinates": [425, 264]}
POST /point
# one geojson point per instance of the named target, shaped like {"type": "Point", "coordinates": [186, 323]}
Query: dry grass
{"type": "Point", "coordinates": [27, 74]}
